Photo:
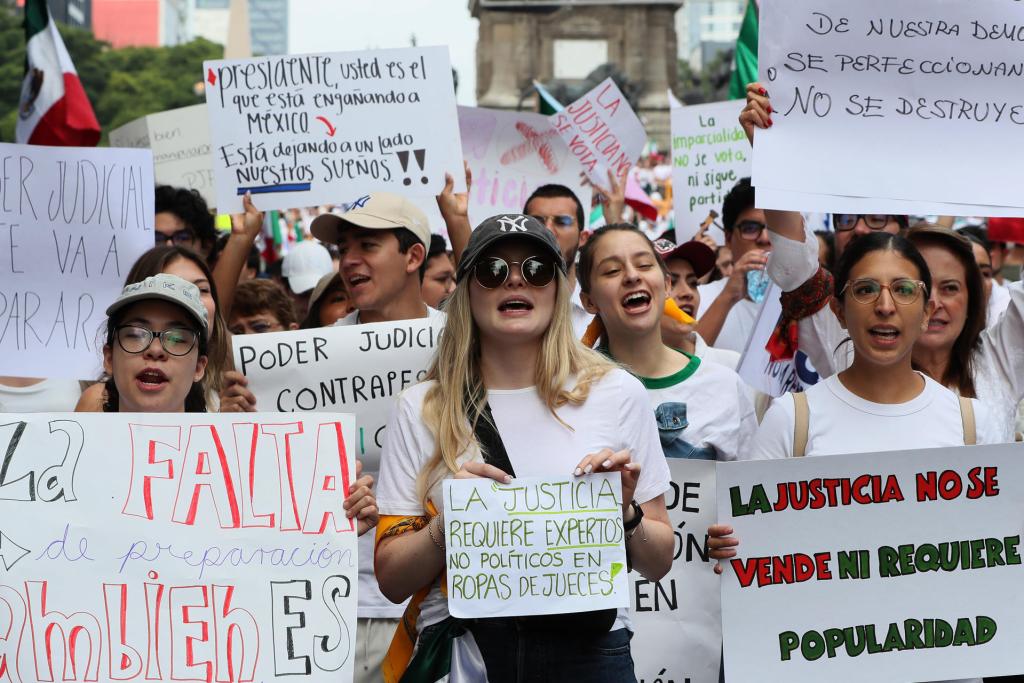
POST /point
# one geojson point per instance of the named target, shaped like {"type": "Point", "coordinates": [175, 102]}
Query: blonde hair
{"type": "Point", "coordinates": [456, 373]}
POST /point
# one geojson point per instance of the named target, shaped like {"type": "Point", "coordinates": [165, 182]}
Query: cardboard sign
{"type": "Point", "coordinates": [511, 154]}
{"type": "Point", "coordinates": [180, 140]}
{"type": "Point", "coordinates": [357, 369]}
{"type": "Point", "coordinates": [872, 97]}
{"type": "Point", "coordinates": [898, 566]}
{"type": "Point", "coordinates": [603, 132]}
{"type": "Point", "coordinates": [756, 366]}
{"type": "Point", "coordinates": [72, 222]}
{"type": "Point", "coordinates": [540, 545]}
{"type": "Point", "coordinates": [166, 547]}
{"type": "Point", "coordinates": [302, 130]}
{"type": "Point", "coordinates": [677, 621]}
{"type": "Point", "coordinates": [710, 154]}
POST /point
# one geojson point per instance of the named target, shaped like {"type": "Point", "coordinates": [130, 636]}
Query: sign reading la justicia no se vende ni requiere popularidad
{"type": "Point", "coordinates": [536, 546]}
{"type": "Point", "coordinates": [302, 130]}
{"type": "Point", "coordinates": [870, 97]}
{"type": "Point", "coordinates": [899, 566]}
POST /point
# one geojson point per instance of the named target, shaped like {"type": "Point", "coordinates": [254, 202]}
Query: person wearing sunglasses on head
{"type": "Point", "coordinates": [956, 349]}
{"type": "Point", "coordinates": [510, 374]}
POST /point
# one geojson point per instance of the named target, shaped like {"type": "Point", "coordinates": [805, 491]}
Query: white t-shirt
{"type": "Point", "coordinates": [842, 422]}
{"type": "Point", "coordinates": [580, 318]}
{"type": "Point", "coordinates": [998, 302]}
{"type": "Point", "coordinates": [739, 324]}
{"type": "Point", "coordinates": [998, 359]}
{"type": "Point", "coordinates": [716, 410]}
{"type": "Point", "coordinates": [730, 359]}
{"type": "Point", "coordinates": [48, 396]}
{"type": "Point", "coordinates": [372, 603]}
{"type": "Point", "coordinates": [616, 415]}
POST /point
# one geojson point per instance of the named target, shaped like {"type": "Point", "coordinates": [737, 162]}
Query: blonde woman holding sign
{"type": "Point", "coordinates": [509, 373]}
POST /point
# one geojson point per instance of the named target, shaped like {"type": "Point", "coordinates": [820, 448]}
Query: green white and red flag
{"type": "Point", "coordinates": [54, 109]}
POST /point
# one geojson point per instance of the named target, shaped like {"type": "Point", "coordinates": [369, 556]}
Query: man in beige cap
{"type": "Point", "coordinates": [383, 242]}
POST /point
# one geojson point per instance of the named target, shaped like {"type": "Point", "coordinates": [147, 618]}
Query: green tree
{"type": "Point", "coordinates": [122, 84]}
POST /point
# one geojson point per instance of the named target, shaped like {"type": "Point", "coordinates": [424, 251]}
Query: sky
{"type": "Point", "coordinates": [346, 25]}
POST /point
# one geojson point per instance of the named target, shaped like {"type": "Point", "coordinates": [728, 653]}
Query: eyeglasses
{"type": "Point", "coordinates": [562, 220]}
{"type": "Point", "coordinates": [845, 222]}
{"type": "Point", "coordinates": [180, 237]}
{"type": "Point", "coordinates": [750, 230]}
{"type": "Point", "coordinates": [256, 327]}
{"type": "Point", "coordinates": [903, 291]}
{"type": "Point", "coordinates": [492, 272]}
{"type": "Point", "coordinates": [177, 341]}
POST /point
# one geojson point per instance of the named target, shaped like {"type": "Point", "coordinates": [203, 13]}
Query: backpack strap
{"type": "Point", "coordinates": [801, 424]}
{"type": "Point", "coordinates": [967, 416]}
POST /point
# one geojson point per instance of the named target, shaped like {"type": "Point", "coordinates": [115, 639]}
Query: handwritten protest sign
{"type": "Point", "coordinates": [72, 222]}
{"type": "Point", "coordinates": [536, 546]}
{"type": "Point", "coordinates": [602, 131]}
{"type": "Point", "coordinates": [356, 369]}
{"type": "Point", "coordinates": [710, 153]}
{"type": "Point", "coordinates": [771, 198]}
{"type": "Point", "coordinates": [900, 566]}
{"type": "Point", "coordinates": [677, 622]}
{"type": "Point", "coordinates": [301, 130]}
{"type": "Point", "coordinates": [756, 367]}
{"type": "Point", "coordinates": [872, 97]}
{"type": "Point", "coordinates": [511, 154]}
{"type": "Point", "coordinates": [166, 547]}
{"type": "Point", "coordinates": [180, 140]}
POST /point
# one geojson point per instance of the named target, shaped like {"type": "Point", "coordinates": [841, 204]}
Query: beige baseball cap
{"type": "Point", "coordinates": [164, 287]}
{"type": "Point", "coordinates": [376, 211]}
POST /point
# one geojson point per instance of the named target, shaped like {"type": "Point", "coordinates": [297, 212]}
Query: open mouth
{"type": "Point", "coordinates": [636, 301]}
{"type": "Point", "coordinates": [936, 324]}
{"type": "Point", "coordinates": [510, 305]}
{"type": "Point", "coordinates": [151, 378]}
{"type": "Point", "coordinates": [885, 334]}
{"type": "Point", "coordinates": [356, 280]}
{"type": "Point", "coordinates": [689, 310]}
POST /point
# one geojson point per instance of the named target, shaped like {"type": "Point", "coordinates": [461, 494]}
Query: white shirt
{"type": "Point", "coordinates": [615, 415]}
{"type": "Point", "coordinates": [998, 302]}
{"type": "Point", "coordinates": [739, 324]}
{"type": "Point", "coordinates": [998, 359]}
{"type": "Point", "coordinates": [730, 359]}
{"type": "Point", "coordinates": [48, 396]}
{"type": "Point", "coordinates": [717, 411]}
{"type": "Point", "coordinates": [842, 422]}
{"type": "Point", "coordinates": [372, 603]}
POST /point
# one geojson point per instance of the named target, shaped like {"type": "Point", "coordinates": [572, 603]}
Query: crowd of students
{"type": "Point", "coordinates": [916, 343]}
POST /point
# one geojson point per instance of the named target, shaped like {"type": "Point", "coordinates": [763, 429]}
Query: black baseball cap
{"type": "Point", "coordinates": [505, 226]}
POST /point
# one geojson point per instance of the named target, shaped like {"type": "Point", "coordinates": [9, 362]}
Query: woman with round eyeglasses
{"type": "Point", "coordinates": [956, 349]}
{"type": "Point", "coordinates": [511, 393]}
{"type": "Point", "coordinates": [880, 403]}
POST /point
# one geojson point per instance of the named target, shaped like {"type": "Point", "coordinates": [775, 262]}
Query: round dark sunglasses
{"type": "Point", "coordinates": [492, 272]}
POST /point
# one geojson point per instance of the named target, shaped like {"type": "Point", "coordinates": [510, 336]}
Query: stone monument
{"type": "Point", "coordinates": [564, 40]}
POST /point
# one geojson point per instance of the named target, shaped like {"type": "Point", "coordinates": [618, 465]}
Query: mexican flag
{"type": "Point", "coordinates": [54, 109]}
{"type": "Point", "coordinates": [744, 69]}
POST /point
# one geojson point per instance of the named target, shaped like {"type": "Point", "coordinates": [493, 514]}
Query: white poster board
{"type": "Point", "coordinates": [677, 621]}
{"type": "Point", "coordinates": [839, 577]}
{"type": "Point", "coordinates": [358, 369]}
{"type": "Point", "coordinates": [511, 154]}
{"type": "Point", "coordinates": [756, 367]}
{"type": "Point", "coordinates": [73, 220]}
{"type": "Point", "coordinates": [710, 153]}
{"type": "Point", "coordinates": [895, 91]}
{"type": "Point", "coordinates": [166, 547]}
{"type": "Point", "coordinates": [540, 545]}
{"type": "Point", "coordinates": [180, 140]}
{"type": "Point", "coordinates": [603, 132]}
{"type": "Point", "coordinates": [303, 130]}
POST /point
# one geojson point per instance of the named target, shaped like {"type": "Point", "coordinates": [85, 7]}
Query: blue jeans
{"type": "Point", "coordinates": [515, 655]}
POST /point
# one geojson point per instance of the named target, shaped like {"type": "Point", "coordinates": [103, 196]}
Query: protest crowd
{"type": "Point", "coordinates": [584, 345]}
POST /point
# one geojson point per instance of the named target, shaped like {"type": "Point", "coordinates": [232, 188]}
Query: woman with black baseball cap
{"type": "Point", "coordinates": [509, 374]}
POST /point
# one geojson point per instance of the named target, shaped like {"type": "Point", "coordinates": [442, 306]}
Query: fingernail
{"type": "Point", "coordinates": [770, 110]}
{"type": "Point", "coordinates": [606, 464]}
{"type": "Point", "coordinates": [628, 466]}
{"type": "Point", "coordinates": [588, 469]}
{"type": "Point", "coordinates": [507, 479]}
{"type": "Point", "coordinates": [578, 472]}
{"type": "Point", "coordinates": [763, 91]}
{"type": "Point", "coordinates": [769, 123]}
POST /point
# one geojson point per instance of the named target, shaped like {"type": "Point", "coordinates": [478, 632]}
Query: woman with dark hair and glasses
{"type": "Point", "coordinates": [955, 348]}
{"type": "Point", "coordinates": [509, 373]}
